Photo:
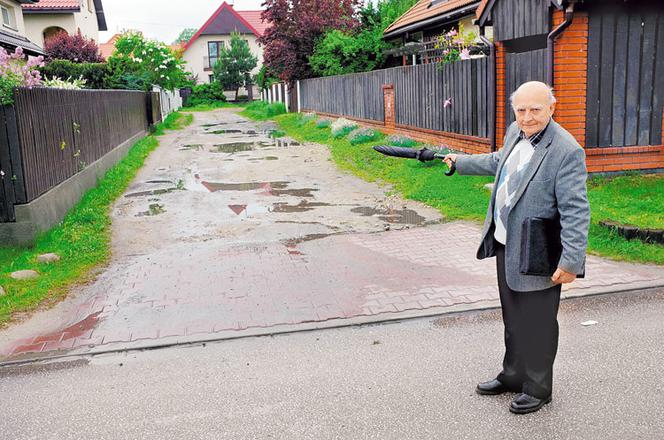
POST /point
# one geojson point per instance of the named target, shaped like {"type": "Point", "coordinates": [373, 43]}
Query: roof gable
{"type": "Point", "coordinates": [224, 21]}
{"type": "Point", "coordinates": [423, 10]}
{"type": "Point", "coordinates": [484, 9]}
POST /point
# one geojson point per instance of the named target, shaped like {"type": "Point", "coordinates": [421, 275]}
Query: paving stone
{"type": "Point", "coordinates": [48, 258]}
{"type": "Point", "coordinates": [23, 275]}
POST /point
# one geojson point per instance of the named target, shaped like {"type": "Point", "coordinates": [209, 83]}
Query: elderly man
{"type": "Point", "coordinates": [540, 172]}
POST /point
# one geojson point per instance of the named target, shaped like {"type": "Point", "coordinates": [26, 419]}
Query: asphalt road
{"type": "Point", "coordinates": [405, 380]}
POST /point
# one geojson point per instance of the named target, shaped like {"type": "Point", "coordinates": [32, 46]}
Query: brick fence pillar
{"type": "Point", "coordinates": [501, 94]}
{"type": "Point", "coordinates": [570, 69]}
{"type": "Point", "coordinates": [388, 102]}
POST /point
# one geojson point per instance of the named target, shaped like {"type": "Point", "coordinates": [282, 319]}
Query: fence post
{"type": "Point", "coordinates": [286, 98]}
{"type": "Point", "coordinates": [299, 101]}
{"type": "Point", "coordinates": [388, 103]}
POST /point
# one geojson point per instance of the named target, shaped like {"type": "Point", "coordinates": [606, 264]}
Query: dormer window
{"type": "Point", "coordinates": [438, 2]}
{"type": "Point", "coordinates": [8, 17]}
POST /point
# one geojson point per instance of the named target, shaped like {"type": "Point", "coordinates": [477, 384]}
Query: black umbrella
{"type": "Point", "coordinates": [423, 154]}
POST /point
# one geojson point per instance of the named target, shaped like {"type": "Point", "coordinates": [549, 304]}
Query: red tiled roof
{"type": "Point", "coordinates": [423, 10]}
{"type": "Point", "coordinates": [107, 49]}
{"type": "Point", "coordinates": [54, 4]}
{"type": "Point", "coordinates": [222, 22]}
{"type": "Point", "coordinates": [254, 19]}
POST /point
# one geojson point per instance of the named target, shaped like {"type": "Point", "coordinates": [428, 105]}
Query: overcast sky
{"type": "Point", "coordinates": [163, 20]}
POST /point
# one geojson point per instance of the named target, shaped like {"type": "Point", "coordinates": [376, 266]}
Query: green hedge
{"type": "Point", "coordinates": [95, 74]}
{"type": "Point", "coordinates": [206, 94]}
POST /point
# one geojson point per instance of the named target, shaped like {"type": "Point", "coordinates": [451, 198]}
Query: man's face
{"type": "Point", "coordinates": [532, 109]}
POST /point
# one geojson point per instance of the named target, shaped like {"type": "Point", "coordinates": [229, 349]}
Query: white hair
{"type": "Point", "coordinates": [552, 98]}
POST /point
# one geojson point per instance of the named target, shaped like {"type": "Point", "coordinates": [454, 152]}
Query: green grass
{"type": "Point", "coordinates": [82, 239]}
{"type": "Point", "coordinates": [634, 199]}
{"type": "Point", "coordinates": [210, 107]}
{"type": "Point", "coordinates": [174, 121]}
{"type": "Point", "coordinates": [261, 110]}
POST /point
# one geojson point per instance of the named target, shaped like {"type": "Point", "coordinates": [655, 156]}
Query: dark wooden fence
{"type": "Point", "coordinates": [625, 76]}
{"type": "Point", "coordinates": [420, 94]}
{"type": "Point", "coordinates": [51, 134]}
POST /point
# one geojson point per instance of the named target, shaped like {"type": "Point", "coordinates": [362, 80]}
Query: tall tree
{"type": "Point", "coordinates": [185, 35]}
{"type": "Point", "coordinates": [234, 65]}
{"type": "Point", "coordinates": [295, 25]}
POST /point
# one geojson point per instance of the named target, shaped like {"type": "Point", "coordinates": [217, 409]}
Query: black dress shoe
{"type": "Point", "coordinates": [525, 403]}
{"type": "Point", "coordinates": [491, 388]}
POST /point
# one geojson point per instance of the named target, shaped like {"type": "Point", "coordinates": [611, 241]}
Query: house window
{"type": "Point", "coordinates": [214, 49]}
{"type": "Point", "coordinates": [8, 18]}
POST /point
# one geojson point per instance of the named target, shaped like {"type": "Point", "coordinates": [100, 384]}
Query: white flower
{"type": "Point", "coordinates": [162, 76]}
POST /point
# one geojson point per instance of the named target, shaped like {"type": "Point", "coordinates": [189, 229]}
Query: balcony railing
{"type": "Point", "coordinates": [208, 63]}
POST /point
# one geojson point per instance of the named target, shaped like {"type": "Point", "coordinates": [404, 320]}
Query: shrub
{"type": "Point", "coordinates": [341, 127]}
{"type": "Point", "coordinates": [206, 94]}
{"type": "Point", "coordinates": [401, 141]}
{"type": "Point", "coordinates": [305, 118]}
{"type": "Point", "coordinates": [15, 71]}
{"type": "Point", "coordinates": [363, 135]}
{"type": "Point", "coordinates": [69, 83]}
{"type": "Point", "coordinates": [138, 63]}
{"type": "Point", "coordinates": [94, 74]}
{"type": "Point", "coordinates": [261, 110]}
{"type": "Point", "coordinates": [76, 48]}
{"type": "Point", "coordinates": [323, 123]}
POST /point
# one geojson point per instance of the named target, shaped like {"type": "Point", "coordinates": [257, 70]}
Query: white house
{"type": "Point", "coordinates": [12, 30]}
{"type": "Point", "coordinates": [49, 17]}
{"type": "Point", "coordinates": [202, 51]}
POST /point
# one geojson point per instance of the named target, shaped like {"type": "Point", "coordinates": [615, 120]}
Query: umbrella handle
{"type": "Point", "coordinates": [452, 168]}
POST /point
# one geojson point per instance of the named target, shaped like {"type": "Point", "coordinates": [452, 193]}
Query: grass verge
{"type": "Point", "coordinates": [634, 199]}
{"type": "Point", "coordinates": [82, 239]}
{"type": "Point", "coordinates": [261, 110]}
{"type": "Point", "coordinates": [211, 106]}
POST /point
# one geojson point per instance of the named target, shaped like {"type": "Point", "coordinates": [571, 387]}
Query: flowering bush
{"type": "Point", "coordinates": [455, 45]}
{"type": "Point", "coordinates": [15, 71]}
{"type": "Point", "coordinates": [362, 135]}
{"type": "Point", "coordinates": [341, 127]}
{"type": "Point", "coordinates": [69, 83]}
{"type": "Point", "coordinates": [138, 63]}
{"type": "Point", "coordinates": [75, 48]}
{"type": "Point", "coordinates": [401, 141]}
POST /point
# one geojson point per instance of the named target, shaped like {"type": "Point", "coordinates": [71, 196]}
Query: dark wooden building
{"type": "Point", "coordinates": [605, 60]}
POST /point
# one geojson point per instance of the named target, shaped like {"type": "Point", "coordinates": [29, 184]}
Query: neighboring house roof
{"type": "Point", "coordinates": [12, 41]}
{"type": "Point", "coordinates": [225, 21]}
{"type": "Point", "coordinates": [65, 6]}
{"type": "Point", "coordinates": [57, 5]}
{"type": "Point", "coordinates": [254, 19]}
{"type": "Point", "coordinates": [425, 12]}
{"type": "Point", "coordinates": [107, 49]}
{"type": "Point", "coordinates": [485, 7]}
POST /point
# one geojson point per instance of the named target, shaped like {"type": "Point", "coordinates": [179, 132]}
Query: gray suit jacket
{"type": "Point", "coordinates": [554, 183]}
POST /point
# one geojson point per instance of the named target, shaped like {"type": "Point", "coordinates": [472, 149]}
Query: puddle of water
{"type": "Point", "coordinates": [154, 192]}
{"type": "Point", "coordinates": [159, 181]}
{"type": "Point", "coordinates": [153, 209]}
{"type": "Point", "coordinates": [193, 147]}
{"type": "Point", "coordinates": [233, 147]}
{"type": "Point", "coordinates": [225, 131]}
{"type": "Point", "coordinates": [246, 186]}
{"type": "Point", "coordinates": [303, 206]}
{"type": "Point", "coordinates": [256, 159]}
{"type": "Point", "coordinates": [399, 216]}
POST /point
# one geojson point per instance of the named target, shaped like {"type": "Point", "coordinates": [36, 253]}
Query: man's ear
{"type": "Point", "coordinates": [553, 108]}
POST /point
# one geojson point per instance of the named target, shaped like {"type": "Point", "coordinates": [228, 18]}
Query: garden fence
{"type": "Point", "coordinates": [420, 93]}
{"type": "Point", "coordinates": [49, 135]}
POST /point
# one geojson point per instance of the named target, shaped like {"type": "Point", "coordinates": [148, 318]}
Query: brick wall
{"type": "Point", "coordinates": [569, 74]}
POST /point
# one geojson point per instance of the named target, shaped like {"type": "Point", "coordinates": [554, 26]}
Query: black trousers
{"type": "Point", "coordinates": [531, 335]}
